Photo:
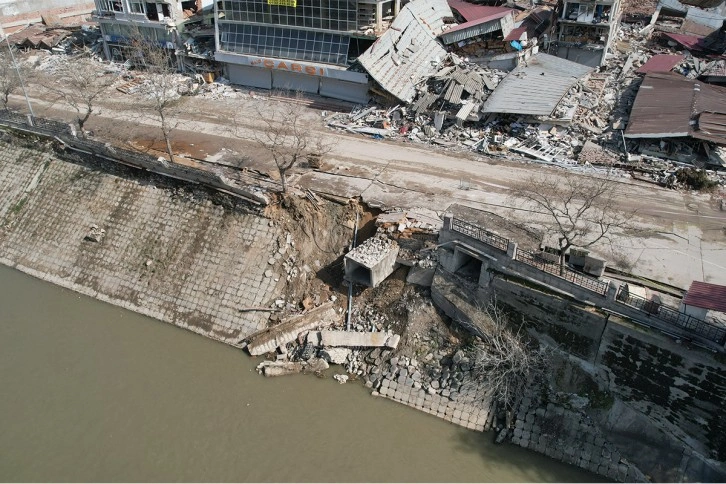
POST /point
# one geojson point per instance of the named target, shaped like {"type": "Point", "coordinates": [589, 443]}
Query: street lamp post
{"type": "Point", "coordinates": [20, 78]}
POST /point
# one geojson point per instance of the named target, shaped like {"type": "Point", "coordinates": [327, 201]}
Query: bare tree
{"type": "Point", "coordinates": [80, 83]}
{"type": "Point", "coordinates": [162, 86]}
{"type": "Point", "coordinates": [505, 361]}
{"type": "Point", "coordinates": [9, 75]}
{"type": "Point", "coordinates": [288, 135]}
{"type": "Point", "coordinates": [581, 211]}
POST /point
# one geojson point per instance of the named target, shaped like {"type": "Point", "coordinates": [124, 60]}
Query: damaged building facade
{"type": "Point", "coordinates": [179, 25]}
{"type": "Point", "coordinates": [586, 30]}
{"type": "Point", "coordinates": [302, 45]}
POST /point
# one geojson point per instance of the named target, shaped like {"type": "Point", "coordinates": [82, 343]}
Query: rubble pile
{"type": "Point", "coordinates": [219, 89]}
{"type": "Point", "coordinates": [451, 96]}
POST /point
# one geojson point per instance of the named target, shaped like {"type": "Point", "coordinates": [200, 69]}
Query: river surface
{"type": "Point", "coordinates": [92, 392]}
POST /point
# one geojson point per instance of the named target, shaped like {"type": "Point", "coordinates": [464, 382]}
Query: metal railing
{"type": "Point", "coordinates": [480, 234]}
{"type": "Point", "coordinates": [587, 282]}
{"type": "Point", "coordinates": [674, 317]}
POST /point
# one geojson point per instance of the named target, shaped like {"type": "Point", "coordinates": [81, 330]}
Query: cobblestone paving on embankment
{"type": "Point", "coordinates": [185, 261]}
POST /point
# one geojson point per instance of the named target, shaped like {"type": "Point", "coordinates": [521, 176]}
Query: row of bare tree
{"type": "Point", "coordinates": [282, 129]}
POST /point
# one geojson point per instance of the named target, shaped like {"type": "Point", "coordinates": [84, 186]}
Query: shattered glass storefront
{"type": "Point", "coordinates": [338, 15]}
{"type": "Point", "coordinates": [300, 45]}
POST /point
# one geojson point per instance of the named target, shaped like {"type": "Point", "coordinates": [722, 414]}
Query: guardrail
{"type": "Point", "coordinates": [672, 316]}
{"type": "Point", "coordinates": [587, 282]}
{"type": "Point", "coordinates": [61, 132]}
{"type": "Point", "coordinates": [480, 234]}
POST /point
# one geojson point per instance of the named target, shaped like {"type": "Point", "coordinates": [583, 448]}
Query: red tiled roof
{"type": "Point", "coordinates": [660, 63]}
{"type": "Point", "coordinates": [707, 296]}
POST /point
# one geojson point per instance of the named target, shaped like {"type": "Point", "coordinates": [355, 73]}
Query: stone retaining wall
{"type": "Point", "coordinates": [167, 252]}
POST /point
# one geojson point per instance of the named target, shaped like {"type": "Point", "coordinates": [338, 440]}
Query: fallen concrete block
{"type": "Point", "coordinates": [269, 339]}
{"type": "Point", "coordinates": [282, 368]}
{"type": "Point", "coordinates": [359, 339]}
{"type": "Point", "coordinates": [279, 368]}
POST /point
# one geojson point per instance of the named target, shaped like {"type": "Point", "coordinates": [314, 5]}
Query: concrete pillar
{"type": "Point", "coordinates": [612, 291]}
{"type": "Point", "coordinates": [512, 250]}
{"type": "Point", "coordinates": [396, 7]}
{"type": "Point", "coordinates": [448, 221]}
{"type": "Point", "coordinates": [379, 16]}
{"type": "Point", "coordinates": [485, 277]}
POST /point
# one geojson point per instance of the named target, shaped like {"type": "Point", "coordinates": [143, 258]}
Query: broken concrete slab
{"type": "Point", "coordinates": [282, 368]}
{"type": "Point", "coordinates": [269, 339]}
{"type": "Point", "coordinates": [359, 339]}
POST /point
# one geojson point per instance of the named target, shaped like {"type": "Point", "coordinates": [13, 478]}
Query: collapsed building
{"type": "Point", "coordinates": [679, 119]}
{"type": "Point", "coordinates": [586, 30]}
{"type": "Point", "coordinates": [184, 26]}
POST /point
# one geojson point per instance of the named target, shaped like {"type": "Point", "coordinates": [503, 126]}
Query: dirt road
{"type": "Point", "coordinates": [683, 237]}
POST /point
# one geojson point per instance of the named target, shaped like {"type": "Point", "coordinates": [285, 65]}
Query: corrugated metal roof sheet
{"type": "Point", "coordinates": [408, 51]}
{"type": "Point", "coordinates": [480, 19]}
{"type": "Point", "coordinates": [667, 104]}
{"type": "Point", "coordinates": [702, 3]}
{"type": "Point", "coordinates": [662, 107]}
{"type": "Point", "coordinates": [660, 63]}
{"type": "Point", "coordinates": [707, 296]}
{"type": "Point", "coordinates": [472, 11]}
{"type": "Point", "coordinates": [454, 92]}
{"type": "Point", "coordinates": [471, 29]}
{"type": "Point", "coordinates": [515, 34]}
{"type": "Point", "coordinates": [690, 42]}
{"type": "Point", "coordinates": [535, 87]}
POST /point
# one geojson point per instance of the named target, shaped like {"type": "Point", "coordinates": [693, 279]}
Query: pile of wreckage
{"type": "Point", "coordinates": [554, 110]}
{"type": "Point", "coordinates": [58, 40]}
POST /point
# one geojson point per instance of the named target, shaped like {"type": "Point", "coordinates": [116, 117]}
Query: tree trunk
{"type": "Point", "coordinates": [283, 180]}
{"type": "Point", "coordinates": [168, 148]}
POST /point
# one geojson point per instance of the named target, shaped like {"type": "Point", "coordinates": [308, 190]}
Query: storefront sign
{"type": "Point", "coordinates": [287, 65]}
{"type": "Point", "coordinates": [283, 3]}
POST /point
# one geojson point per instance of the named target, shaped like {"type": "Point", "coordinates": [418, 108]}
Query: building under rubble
{"type": "Point", "coordinates": [586, 30]}
{"type": "Point", "coordinates": [302, 45]}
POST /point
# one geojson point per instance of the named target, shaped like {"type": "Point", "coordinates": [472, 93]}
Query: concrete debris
{"type": "Point", "coordinates": [359, 339]}
{"type": "Point", "coordinates": [267, 340]}
{"type": "Point", "coordinates": [282, 368]}
{"type": "Point", "coordinates": [341, 378]}
{"type": "Point", "coordinates": [337, 356]}
{"type": "Point", "coordinates": [95, 234]}
{"type": "Point", "coordinates": [585, 128]}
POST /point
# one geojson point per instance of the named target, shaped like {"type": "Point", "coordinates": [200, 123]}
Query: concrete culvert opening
{"type": "Point", "coordinates": [469, 267]}
{"type": "Point", "coordinates": [360, 274]}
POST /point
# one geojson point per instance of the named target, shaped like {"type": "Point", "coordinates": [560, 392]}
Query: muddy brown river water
{"type": "Point", "coordinates": [92, 392]}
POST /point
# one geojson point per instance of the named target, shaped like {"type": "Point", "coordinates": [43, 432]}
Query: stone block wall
{"type": "Point", "coordinates": [576, 328]}
{"type": "Point", "coordinates": [681, 389]}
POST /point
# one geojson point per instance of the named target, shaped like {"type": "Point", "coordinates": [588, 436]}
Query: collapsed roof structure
{"type": "Point", "coordinates": [671, 106]}
{"type": "Point", "coordinates": [535, 87]}
{"type": "Point", "coordinates": [409, 51]}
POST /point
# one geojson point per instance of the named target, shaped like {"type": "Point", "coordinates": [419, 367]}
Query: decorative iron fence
{"type": "Point", "coordinates": [587, 282]}
{"type": "Point", "coordinates": [480, 234]}
{"type": "Point", "coordinates": [672, 316]}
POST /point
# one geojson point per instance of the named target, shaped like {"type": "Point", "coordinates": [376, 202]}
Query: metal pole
{"type": "Point", "coordinates": [350, 283]}
{"type": "Point", "coordinates": [20, 78]}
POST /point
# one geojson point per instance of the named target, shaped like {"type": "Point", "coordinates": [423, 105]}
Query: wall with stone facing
{"type": "Point", "coordinates": [575, 327]}
{"type": "Point", "coordinates": [681, 389]}
{"type": "Point", "coordinates": [167, 252]}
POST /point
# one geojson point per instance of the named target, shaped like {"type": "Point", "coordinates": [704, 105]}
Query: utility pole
{"type": "Point", "coordinates": [31, 118]}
